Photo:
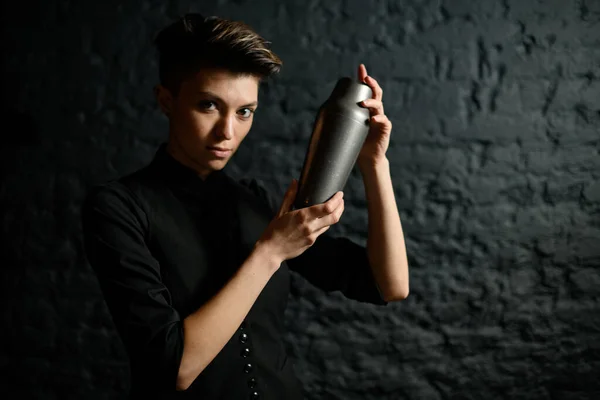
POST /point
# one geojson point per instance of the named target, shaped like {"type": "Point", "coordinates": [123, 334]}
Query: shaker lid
{"type": "Point", "coordinates": [351, 90]}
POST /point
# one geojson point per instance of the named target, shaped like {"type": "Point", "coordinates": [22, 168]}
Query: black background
{"type": "Point", "coordinates": [495, 163]}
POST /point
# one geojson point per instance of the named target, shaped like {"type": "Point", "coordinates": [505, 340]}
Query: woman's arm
{"type": "Point", "coordinates": [385, 242]}
{"type": "Point", "coordinates": [208, 329]}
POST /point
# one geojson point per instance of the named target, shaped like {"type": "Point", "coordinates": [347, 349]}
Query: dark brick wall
{"type": "Point", "coordinates": [495, 162]}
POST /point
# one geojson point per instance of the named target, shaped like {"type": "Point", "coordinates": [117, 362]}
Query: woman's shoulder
{"type": "Point", "coordinates": [133, 192]}
{"type": "Point", "coordinates": [259, 189]}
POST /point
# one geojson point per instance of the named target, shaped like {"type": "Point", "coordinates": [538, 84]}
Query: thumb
{"type": "Point", "coordinates": [288, 198]}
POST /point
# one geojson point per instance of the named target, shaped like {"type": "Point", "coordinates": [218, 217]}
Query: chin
{"type": "Point", "coordinates": [218, 163]}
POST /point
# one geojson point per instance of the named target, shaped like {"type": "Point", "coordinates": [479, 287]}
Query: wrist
{"type": "Point", "coordinates": [263, 250]}
{"type": "Point", "coordinates": [369, 165]}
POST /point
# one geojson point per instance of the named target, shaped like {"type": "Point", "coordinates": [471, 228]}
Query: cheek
{"type": "Point", "coordinates": [199, 123]}
{"type": "Point", "coordinates": [193, 123]}
{"type": "Point", "coordinates": [243, 131]}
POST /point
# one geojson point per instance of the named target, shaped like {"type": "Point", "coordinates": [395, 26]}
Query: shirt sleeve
{"type": "Point", "coordinates": [332, 263]}
{"type": "Point", "coordinates": [337, 263]}
{"type": "Point", "coordinates": [114, 233]}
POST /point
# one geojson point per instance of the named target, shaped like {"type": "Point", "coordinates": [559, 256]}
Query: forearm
{"type": "Point", "coordinates": [208, 329]}
{"type": "Point", "coordinates": [385, 243]}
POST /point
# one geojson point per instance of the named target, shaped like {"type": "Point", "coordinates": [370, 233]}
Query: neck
{"type": "Point", "coordinates": [175, 150]}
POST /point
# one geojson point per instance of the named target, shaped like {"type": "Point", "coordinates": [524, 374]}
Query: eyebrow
{"type": "Point", "coordinates": [210, 94]}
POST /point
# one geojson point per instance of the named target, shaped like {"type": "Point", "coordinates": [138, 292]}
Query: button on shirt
{"type": "Point", "coordinates": [162, 242]}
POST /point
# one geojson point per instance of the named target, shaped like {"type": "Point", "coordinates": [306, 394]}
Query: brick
{"type": "Point", "coordinates": [475, 9]}
{"type": "Point", "coordinates": [591, 191]}
{"type": "Point", "coordinates": [458, 33]}
{"type": "Point", "coordinates": [497, 129]}
{"type": "Point", "coordinates": [552, 10]}
{"type": "Point", "coordinates": [556, 63]}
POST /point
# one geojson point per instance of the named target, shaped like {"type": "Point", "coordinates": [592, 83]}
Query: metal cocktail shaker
{"type": "Point", "coordinates": [339, 132]}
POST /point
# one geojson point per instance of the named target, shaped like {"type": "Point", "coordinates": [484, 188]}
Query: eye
{"type": "Point", "coordinates": [206, 105]}
{"type": "Point", "coordinates": [248, 112]}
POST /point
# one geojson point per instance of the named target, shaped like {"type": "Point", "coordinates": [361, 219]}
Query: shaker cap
{"type": "Point", "coordinates": [351, 90]}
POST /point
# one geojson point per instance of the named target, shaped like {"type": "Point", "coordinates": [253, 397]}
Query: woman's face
{"type": "Point", "coordinates": [209, 117]}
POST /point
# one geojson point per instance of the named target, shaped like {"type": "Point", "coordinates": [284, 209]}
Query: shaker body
{"type": "Point", "coordinates": [339, 132]}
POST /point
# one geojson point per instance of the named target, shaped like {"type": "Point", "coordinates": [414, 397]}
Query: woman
{"type": "Point", "coordinates": [194, 266]}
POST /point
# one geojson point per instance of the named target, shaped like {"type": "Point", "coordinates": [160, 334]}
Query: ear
{"type": "Point", "coordinates": [164, 99]}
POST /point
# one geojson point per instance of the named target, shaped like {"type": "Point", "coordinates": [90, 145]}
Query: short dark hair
{"type": "Point", "coordinates": [193, 42]}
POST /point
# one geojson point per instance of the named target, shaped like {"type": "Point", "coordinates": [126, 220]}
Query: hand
{"type": "Point", "coordinates": [378, 138]}
{"type": "Point", "coordinates": [290, 233]}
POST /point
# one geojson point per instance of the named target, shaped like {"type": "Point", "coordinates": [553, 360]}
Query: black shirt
{"type": "Point", "coordinates": [162, 241]}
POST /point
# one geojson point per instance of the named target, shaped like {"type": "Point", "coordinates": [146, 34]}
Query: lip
{"type": "Point", "coordinates": [220, 152]}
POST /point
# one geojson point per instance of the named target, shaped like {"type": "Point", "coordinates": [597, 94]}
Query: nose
{"type": "Point", "coordinates": [224, 128]}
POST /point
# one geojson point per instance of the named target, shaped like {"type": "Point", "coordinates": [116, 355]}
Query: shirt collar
{"type": "Point", "coordinates": [182, 176]}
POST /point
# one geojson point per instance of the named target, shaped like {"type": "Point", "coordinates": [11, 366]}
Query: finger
{"type": "Point", "coordinates": [324, 209]}
{"type": "Point", "coordinates": [331, 218]}
{"type": "Point", "coordinates": [374, 105]}
{"type": "Point", "coordinates": [383, 121]}
{"type": "Point", "coordinates": [321, 231]}
{"type": "Point", "coordinates": [377, 90]}
{"type": "Point", "coordinates": [362, 72]}
{"type": "Point", "coordinates": [288, 198]}
{"type": "Point", "coordinates": [313, 213]}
